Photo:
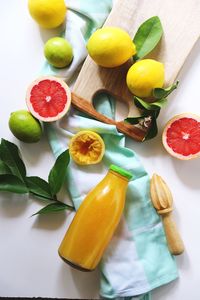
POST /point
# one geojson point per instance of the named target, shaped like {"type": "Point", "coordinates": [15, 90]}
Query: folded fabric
{"type": "Point", "coordinates": [137, 259]}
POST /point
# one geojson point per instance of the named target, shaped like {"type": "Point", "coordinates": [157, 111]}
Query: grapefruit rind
{"type": "Point", "coordinates": [60, 114]}
{"type": "Point", "coordinates": [164, 136]}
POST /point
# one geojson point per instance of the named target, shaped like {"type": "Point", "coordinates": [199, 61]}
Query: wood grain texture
{"type": "Point", "coordinates": [162, 200]}
{"type": "Point", "coordinates": [181, 25]}
{"type": "Point", "coordinates": [174, 240]}
{"type": "Point", "coordinates": [137, 132]}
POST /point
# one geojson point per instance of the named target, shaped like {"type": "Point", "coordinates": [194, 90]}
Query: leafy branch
{"type": "Point", "coordinates": [13, 178]}
{"type": "Point", "coordinates": [150, 110]}
{"type": "Point", "coordinates": [146, 39]}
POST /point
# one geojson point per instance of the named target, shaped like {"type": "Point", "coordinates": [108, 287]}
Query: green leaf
{"type": "Point", "coordinates": [39, 187]}
{"type": "Point", "coordinates": [57, 173]}
{"type": "Point", "coordinates": [54, 207]}
{"type": "Point", "coordinates": [147, 116]}
{"type": "Point", "coordinates": [134, 120]}
{"type": "Point", "coordinates": [4, 169]}
{"type": "Point", "coordinates": [10, 155]}
{"type": "Point", "coordinates": [140, 103]}
{"type": "Point", "coordinates": [12, 183]}
{"type": "Point", "coordinates": [153, 130]}
{"type": "Point", "coordinates": [147, 37]}
{"type": "Point", "coordinates": [160, 93]}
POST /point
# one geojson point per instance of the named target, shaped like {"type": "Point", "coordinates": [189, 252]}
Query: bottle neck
{"type": "Point", "coordinates": [117, 178]}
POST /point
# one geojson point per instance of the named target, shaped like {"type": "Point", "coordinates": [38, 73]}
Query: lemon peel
{"type": "Point", "coordinates": [47, 13]}
{"type": "Point", "coordinates": [110, 47]}
{"type": "Point", "coordinates": [144, 76]}
{"type": "Point", "coordinates": [86, 148]}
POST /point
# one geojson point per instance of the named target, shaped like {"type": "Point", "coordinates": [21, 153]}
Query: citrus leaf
{"type": "Point", "coordinates": [54, 207]}
{"type": "Point", "coordinates": [4, 169]}
{"type": "Point", "coordinates": [160, 93]}
{"type": "Point", "coordinates": [10, 155]}
{"type": "Point", "coordinates": [133, 120]}
{"type": "Point", "coordinates": [39, 187]}
{"type": "Point", "coordinates": [147, 37]}
{"type": "Point", "coordinates": [12, 183]}
{"type": "Point", "coordinates": [58, 172]}
{"type": "Point", "coordinates": [158, 104]}
{"type": "Point", "coordinates": [153, 130]}
{"type": "Point", "coordinates": [140, 103]}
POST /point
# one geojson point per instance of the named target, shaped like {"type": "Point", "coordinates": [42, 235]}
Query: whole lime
{"type": "Point", "coordinates": [58, 52]}
{"type": "Point", "coordinates": [110, 47]}
{"type": "Point", "coordinates": [25, 127]}
{"type": "Point", "coordinates": [144, 76]}
{"type": "Point", "coordinates": [47, 13]}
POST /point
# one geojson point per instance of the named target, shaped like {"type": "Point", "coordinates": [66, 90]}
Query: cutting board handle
{"type": "Point", "coordinates": [136, 132]}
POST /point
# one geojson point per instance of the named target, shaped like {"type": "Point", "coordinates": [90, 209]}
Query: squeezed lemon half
{"type": "Point", "coordinates": [86, 148]}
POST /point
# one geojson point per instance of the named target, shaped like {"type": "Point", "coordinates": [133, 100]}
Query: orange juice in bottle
{"type": "Point", "coordinates": [95, 221]}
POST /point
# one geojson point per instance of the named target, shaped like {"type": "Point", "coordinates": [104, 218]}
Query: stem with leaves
{"type": "Point", "coordinates": [146, 39]}
{"type": "Point", "coordinates": [13, 178]}
{"type": "Point", "coordinates": [150, 110]}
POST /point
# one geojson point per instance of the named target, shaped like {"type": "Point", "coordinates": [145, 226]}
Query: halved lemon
{"type": "Point", "coordinates": [86, 148]}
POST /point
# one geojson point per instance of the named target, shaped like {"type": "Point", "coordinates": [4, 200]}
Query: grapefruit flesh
{"type": "Point", "coordinates": [48, 98]}
{"type": "Point", "coordinates": [181, 136]}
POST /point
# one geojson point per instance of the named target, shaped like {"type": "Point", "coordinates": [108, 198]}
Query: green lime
{"type": "Point", "coordinates": [25, 127]}
{"type": "Point", "coordinates": [58, 52]}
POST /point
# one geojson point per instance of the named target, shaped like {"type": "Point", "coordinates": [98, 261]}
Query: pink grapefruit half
{"type": "Point", "coordinates": [181, 136]}
{"type": "Point", "coordinates": [48, 98]}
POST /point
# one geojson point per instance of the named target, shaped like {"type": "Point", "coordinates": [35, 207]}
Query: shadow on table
{"type": "Point", "coordinates": [86, 283]}
{"type": "Point", "coordinates": [13, 205]}
{"type": "Point", "coordinates": [50, 221]}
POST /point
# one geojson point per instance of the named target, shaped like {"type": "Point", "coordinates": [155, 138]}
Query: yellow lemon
{"type": "Point", "coordinates": [144, 76]}
{"type": "Point", "coordinates": [47, 13]}
{"type": "Point", "coordinates": [110, 47]}
{"type": "Point", "coordinates": [86, 148]}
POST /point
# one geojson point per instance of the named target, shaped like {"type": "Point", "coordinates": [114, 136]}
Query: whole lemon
{"type": "Point", "coordinates": [47, 13]}
{"type": "Point", "coordinates": [144, 76]}
{"type": "Point", "coordinates": [25, 127]}
{"type": "Point", "coordinates": [110, 47]}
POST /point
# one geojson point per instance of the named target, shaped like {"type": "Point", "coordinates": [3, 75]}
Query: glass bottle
{"type": "Point", "coordinates": [95, 221]}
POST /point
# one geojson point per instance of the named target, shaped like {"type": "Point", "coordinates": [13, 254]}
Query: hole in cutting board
{"type": "Point", "coordinates": [109, 106]}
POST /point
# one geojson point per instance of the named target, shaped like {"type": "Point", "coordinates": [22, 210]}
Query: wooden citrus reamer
{"type": "Point", "coordinates": [162, 201]}
{"type": "Point", "coordinates": [181, 25]}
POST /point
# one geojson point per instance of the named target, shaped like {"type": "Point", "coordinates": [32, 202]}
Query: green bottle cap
{"type": "Point", "coordinates": [121, 171]}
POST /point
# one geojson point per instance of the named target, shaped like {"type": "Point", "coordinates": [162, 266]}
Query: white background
{"type": "Point", "coordinates": [29, 264]}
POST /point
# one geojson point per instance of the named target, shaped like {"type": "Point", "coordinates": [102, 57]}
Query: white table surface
{"type": "Point", "coordinates": [29, 264]}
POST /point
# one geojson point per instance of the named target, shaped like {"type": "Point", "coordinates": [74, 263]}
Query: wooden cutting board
{"type": "Point", "coordinates": [181, 26]}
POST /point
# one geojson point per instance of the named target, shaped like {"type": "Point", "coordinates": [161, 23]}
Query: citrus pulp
{"type": "Point", "coordinates": [48, 98]}
{"type": "Point", "coordinates": [86, 148]}
{"type": "Point", "coordinates": [181, 136]}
